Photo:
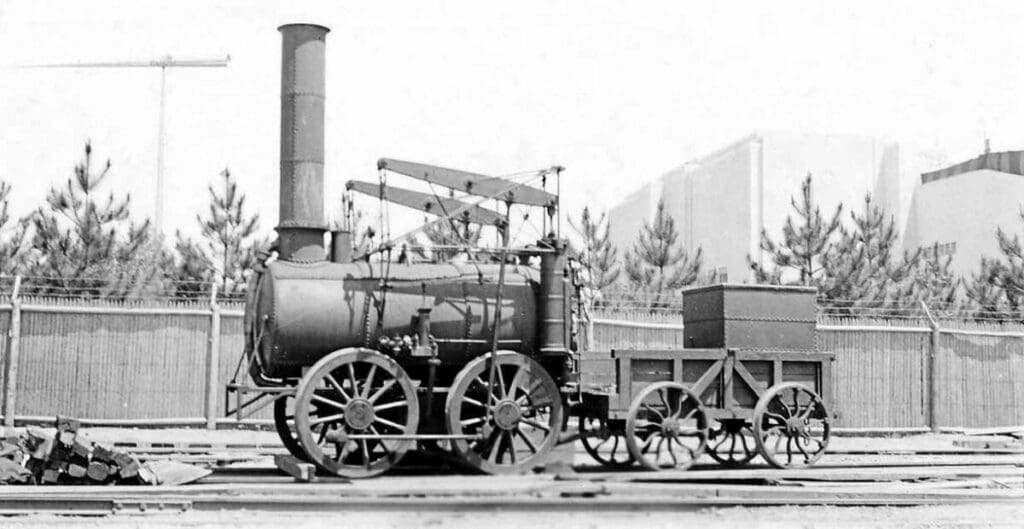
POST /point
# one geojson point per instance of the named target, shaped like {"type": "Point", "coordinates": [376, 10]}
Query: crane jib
{"type": "Point", "coordinates": [428, 203]}
{"type": "Point", "coordinates": [472, 183]}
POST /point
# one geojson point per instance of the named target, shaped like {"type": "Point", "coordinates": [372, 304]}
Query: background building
{"type": "Point", "coordinates": [722, 201]}
{"type": "Point", "coordinates": [961, 206]}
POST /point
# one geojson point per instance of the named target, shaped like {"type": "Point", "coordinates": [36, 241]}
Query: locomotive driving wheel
{"type": "Point", "coordinates": [514, 426]}
{"type": "Point", "coordinates": [667, 427]}
{"type": "Point", "coordinates": [791, 426]}
{"type": "Point", "coordinates": [731, 442]}
{"type": "Point", "coordinates": [605, 444]}
{"type": "Point", "coordinates": [284, 423]}
{"type": "Point", "coordinates": [353, 410]}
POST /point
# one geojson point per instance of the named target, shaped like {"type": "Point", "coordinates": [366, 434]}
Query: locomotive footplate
{"type": "Point", "coordinates": [245, 407]}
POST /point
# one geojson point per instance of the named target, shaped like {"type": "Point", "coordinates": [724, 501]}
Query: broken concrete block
{"type": "Point", "coordinates": [13, 473]}
{"type": "Point", "coordinates": [174, 473]}
{"type": "Point", "coordinates": [98, 471]}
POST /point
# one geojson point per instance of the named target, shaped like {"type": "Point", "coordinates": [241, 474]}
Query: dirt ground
{"type": "Point", "coordinates": [746, 518]}
{"type": "Point", "coordinates": [969, 515]}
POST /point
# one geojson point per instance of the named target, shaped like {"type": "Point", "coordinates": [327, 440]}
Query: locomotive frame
{"type": "Point", "coordinates": [363, 361]}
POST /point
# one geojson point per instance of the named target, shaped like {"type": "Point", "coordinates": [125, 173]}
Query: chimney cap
{"type": "Point", "coordinates": [303, 24]}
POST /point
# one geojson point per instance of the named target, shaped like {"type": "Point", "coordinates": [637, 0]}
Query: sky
{"type": "Point", "coordinates": [617, 92]}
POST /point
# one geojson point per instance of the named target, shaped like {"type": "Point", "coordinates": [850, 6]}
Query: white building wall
{"type": "Point", "coordinates": [722, 201]}
{"type": "Point", "coordinates": [627, 217]}
{"type": "Point", "coordinates": [966, 209]}
{"type": "Point", "coordinates": [712, 203]}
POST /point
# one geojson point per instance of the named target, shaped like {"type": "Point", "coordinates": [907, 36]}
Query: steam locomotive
{"type": "Point", "coordinates": [366, 358]}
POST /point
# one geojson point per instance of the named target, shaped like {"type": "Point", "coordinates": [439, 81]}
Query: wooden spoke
{"type": "Point", "coordinates": [797, 429]}
{"type": "Point", "coordinates": [500, 382]}
{"type": "Point", "coordinates": [473, 402]}
{"type": "Point", "coordinates": [329, 418]}
{"type": "Point", "coordinates": [391, 405]}
{"type": "Point", "coordinates": [734, 432]}
{"type": "Point", "coordinates": [337, 387]}
{"type": "Point", "coordinates": [512, 410]}
{"type": "Point", "coordinates": [526, 439]}
{"type": "Point", "coordinates": [363, 369]}
{"type": "Point", "coordinates": [380, 392]}
{"type": "Point", "coordinates": [390, 424]}
{"type": "Point", "coordinates": [329, 402]}
{"type": "Point", "coordinates": [368, 383]}
{"type": "Point", "coordinates": [605, 444]}
{"type": "Point", "coordinates": [654, 411]}
{"type": "Point", "coordinates": [655, 439]}
{"type": "Point", "coordinates": [516, 380]}
{"type": "Point", "coordinates": [537, 425]}
{"type": "Point", "coordinates": [352, 378]}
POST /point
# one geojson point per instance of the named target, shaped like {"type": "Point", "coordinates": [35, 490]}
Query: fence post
{"type": "Point", "coordinates": [932, 367]}
{"type": "Point", "coordinates": [13, 345]}
{"type": "Point", "coordinates": [212, 361]}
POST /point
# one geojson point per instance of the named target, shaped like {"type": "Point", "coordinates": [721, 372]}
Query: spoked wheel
{"type": "Point", "coordinates": [731, 442]}
{"type": "Point", "coordinates": [515, 425]}
{"type": "Point", "coordinates": [349, 409]}
{"type": "Point", "coordinates": [605, 445]}
{"type": "Point", "coordinates": [284, 423]}
{"type": "Point", "coordinates": [667, 427]}
{"type": "Point", "coordinates": [791, 426]}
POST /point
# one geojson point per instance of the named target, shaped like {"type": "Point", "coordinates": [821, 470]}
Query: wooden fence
{"type": "Point", "coordinates": [167, 364]}
{"type": "Point", "coordinates": [891, 375]}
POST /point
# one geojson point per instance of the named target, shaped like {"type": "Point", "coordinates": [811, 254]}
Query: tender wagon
{"type": "Point", "coordinates": [749, 381]}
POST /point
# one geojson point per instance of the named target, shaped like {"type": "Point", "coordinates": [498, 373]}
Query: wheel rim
{"type": "Point", "coordinates": [284, 423]}
{"type": "Point", "coordinates": [525, 414]}
{"type": "Point", "coordinates": [355, 392]}
{"type": "Point", "coordinates": [791, 426]}
{"type": "Point", "coordinates": [667, 427]}
{"type": "Point", "coordinates": [731, 442]}
{"type": "Point", "coordinates": [605, 445]}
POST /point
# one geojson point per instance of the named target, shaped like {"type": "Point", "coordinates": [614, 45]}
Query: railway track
{"type": "Point", "coordinates": [262, 489]}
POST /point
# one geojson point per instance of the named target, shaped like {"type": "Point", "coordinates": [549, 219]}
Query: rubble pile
{"type": "Point", "coordinates": [34, 456]}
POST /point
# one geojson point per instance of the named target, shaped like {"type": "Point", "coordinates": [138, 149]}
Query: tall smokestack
{"type": "Point", "coordinates": [302, 223]}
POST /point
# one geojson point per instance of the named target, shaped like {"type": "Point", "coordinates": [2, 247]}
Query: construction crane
{"type": "Point", "coordinates": [163, 63]}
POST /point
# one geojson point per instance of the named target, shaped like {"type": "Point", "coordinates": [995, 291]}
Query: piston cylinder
{"type": "Point", "coordinates": [554, 332]}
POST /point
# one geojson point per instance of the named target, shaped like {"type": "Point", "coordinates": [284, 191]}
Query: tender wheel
{"type": "Point", "coordinates": [791, 426]}
{"type": "Point", "coordinates": [284, 423]}
{"type": "Point", "coordinates": [605, 445]}
{"type": "Point", "coordinates": [350, 393]}
{"type": "Point", "coordinates": [524, 410]}
{"type": "Point", "coordinates": [731, 442]}
{"type": "Point", "coordinates": [667, 427]}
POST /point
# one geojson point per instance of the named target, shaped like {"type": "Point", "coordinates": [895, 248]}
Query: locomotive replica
{"type": "Point", "coordinates": [365, 357]}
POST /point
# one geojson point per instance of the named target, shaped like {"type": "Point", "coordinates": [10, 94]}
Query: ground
{"type": "Point", "coordinates": [962, 515]}
{"type": "Point", "coordinates": [746, 518]}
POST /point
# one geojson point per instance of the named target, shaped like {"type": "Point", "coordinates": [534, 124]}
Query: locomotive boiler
{"type": "Point", "coordinates": [364, 357]}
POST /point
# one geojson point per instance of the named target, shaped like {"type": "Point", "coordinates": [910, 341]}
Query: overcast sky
{"type": "Point", "coordinates": [618, 92]}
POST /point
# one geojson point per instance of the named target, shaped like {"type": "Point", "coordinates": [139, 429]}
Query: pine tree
{"type": "Point", "coordinates": [863, 269]}
{"type": "Point", "coordinates": [230, 240]}
{"type": "Point", "coordinates": [984, 293]}
{"type": "Point", "coordinates": [598, 256]}
{"type": "Point", "coordinates": [1000, 284]}
{"type": "Point", "coordinates": [933, 280]}
{"type": "Point", "coordinates": [656, 264]}
{"type": "Point", "coordinates": [85, 241]}
{"type": "Point", "coordinates": [13, 236]}
{"type": "Point", "coordinates": [805, 246]}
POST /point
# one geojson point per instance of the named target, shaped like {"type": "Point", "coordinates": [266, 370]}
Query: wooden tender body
{"type": "Point", "coordinates": [750, 383]}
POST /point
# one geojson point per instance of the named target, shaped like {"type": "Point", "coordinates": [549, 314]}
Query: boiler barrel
{"type": "Point", "coordinates": [304, 311]}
